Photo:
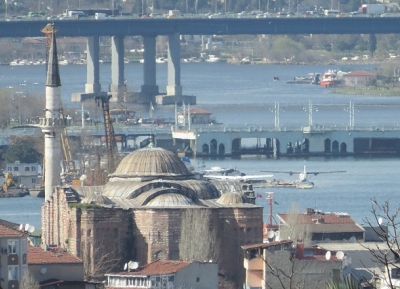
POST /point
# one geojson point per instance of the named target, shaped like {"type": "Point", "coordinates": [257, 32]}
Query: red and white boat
{"type": "Point", "coordinates": [329, 78]}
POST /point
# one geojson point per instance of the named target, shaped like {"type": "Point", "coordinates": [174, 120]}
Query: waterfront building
{"type": "Point", "coordinates": [27, 174]}
{"type": "Point", "coordinates": [166, 274]}
{"type": "Point", "coordinates": [358, 78]}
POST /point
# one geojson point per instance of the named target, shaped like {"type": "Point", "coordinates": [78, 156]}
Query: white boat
{"type": "Point", "coordinates": [18, 62]}
{"type": "Point", "coordinates": [160, 60]}
{"type": "Point", "coordinates": [213, 58]}
{"type": "Point", "coordinates": [63, 62]}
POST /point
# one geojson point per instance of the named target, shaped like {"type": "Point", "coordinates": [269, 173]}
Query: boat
{"type": "Point", "coordinates": [329, 78]}
{"type": "Point", "coordinates": [63, 62]}
{"type": "Point", "coordinates": [160, 60]}
{"type": "Point", "coordinates": [213, 58]}
{"type": "Point", "coordinates": [311, 78]}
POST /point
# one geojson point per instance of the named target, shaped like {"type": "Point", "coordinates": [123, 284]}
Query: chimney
{"type": "Point", "coordinates": [310, 211]}
{"type": "Point", "coordinates": [300, 250]}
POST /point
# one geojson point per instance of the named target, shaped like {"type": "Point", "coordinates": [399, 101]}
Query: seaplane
{"type": "Point", "coordinates": [232, 174]}
{"type": "Point", "coordinates": [301, 183]}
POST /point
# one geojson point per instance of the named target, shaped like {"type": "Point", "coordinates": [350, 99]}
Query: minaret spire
{"type": "Point", "coordinates": [53, 123]}
{"type": "Point", "coordinates": [53, 72]}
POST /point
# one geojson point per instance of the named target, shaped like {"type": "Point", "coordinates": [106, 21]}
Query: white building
{"type": "Point", "coordinates": [27, 174]}
{"type": "Point", "coordinates": [167, 274]}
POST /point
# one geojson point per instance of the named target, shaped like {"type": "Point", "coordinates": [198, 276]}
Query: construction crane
{"type": "Point", "coordinates": [112, 149]}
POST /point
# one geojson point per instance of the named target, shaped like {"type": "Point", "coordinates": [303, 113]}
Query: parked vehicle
{"type": "Point", "coordinates": [372, 9]}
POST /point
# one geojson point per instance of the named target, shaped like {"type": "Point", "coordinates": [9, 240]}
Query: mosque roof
{"type": "Point", "coordinates": [98, 199]}
{"type": "Point", "coordinates": [127, 189]}
{"type": "Point", "coordinates": [151, 162]}
{"type": "Point", "coordinates": [232, 198]}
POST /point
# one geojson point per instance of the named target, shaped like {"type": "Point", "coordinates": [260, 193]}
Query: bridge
{"type": "Point", "coordinates": [149, 29]}
{"type": "Point", "coordinates": [226, 140]}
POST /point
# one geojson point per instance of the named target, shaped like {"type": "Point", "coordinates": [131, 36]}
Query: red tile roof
{"type": "Point", "coordinates": [159, 267]}
{"type": "Point", "coordinates": [36, 255]}
{"type": "Point", "coordinates": [358, 73]}
{"type": "Point", "coordinates": [9, 232]}
{"type": "Point", "coordinates": [196, 110]}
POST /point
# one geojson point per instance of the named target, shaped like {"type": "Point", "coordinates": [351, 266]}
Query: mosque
{"type": "Point", "coordinates": [152, 208]}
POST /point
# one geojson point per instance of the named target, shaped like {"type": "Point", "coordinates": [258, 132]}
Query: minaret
{"type": "Point", "coordinates": [52, 124]}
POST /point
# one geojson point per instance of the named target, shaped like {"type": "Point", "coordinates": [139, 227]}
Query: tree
{"type": "Point", "coordinates": [294, 228]}
{"type": "Point", "coordinates": [372, 44]}
{"type": "Point", "coordinates": [198, 238]}
{"type": "Point", "coordinates": [23, 149]}
{"type": "Point", "coordinates": [98, 259]}
{"type": "Point", "coordinates": [28, 282]}
{"type": "Point", "coordinates": [384, 222]}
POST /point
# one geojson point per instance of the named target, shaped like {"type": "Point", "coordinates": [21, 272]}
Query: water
{"type": "Point", "coordinates": [245, 94]}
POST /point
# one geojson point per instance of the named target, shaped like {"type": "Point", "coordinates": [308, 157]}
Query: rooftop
{"type": "Point", "coordinates": [36, 255]}
{"type": "Point", "coordinates": [9, 230]}
{"type": "Point", "coordinates": [159, 267]}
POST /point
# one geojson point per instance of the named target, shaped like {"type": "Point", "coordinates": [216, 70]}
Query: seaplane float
{"type": "Point", "coordinates": [301, 183]}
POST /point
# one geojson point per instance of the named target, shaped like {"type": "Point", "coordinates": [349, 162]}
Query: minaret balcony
{"type": "Point", "coordinates": [52, 122]}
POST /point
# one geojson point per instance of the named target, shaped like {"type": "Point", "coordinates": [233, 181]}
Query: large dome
{"type": "Point", "coordinates": [151, 162]}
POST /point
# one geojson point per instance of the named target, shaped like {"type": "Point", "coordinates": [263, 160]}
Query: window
{"type": "Point", "coordinates": [26, 169]}
{"type": "Point", "coordinates": [33, 169]}
{"type": "Point", "coordinates": [12, 246]}
{"type": "Point", "coordinates": [16, 169]}
{"type": "Point", "coordinates": [33, 181]}
{"type": "Point", "coordinates": [12, 273]}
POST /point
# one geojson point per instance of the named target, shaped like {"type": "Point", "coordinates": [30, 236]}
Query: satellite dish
{"type": "Point", "coordinates": [133, 265]}
{"type": "Point", "coordinates": [21, 227]}
{"type": "Point", "coordinates": [328, 255]}
{"type": "Point", "coordinates": [43, 270]}
{"type": "Point", "coordinates": [380, 220]}
{"type": "Point", "coordinates": [126, 266]}
{"type": "Point", "coordinates": [26, 227]}
{"type": "Point", "coordinates": [339, 255]}
{"type": "Point", "coordinates": [31, 229]}
{"type": "Point", "coordinates": [277, 239]}
{"type": "Point", "coordinates": [353, 239]}
{"type": "Point", "coordinates": [270, 234]}
{"type": "Point", "coordinates": [83, 177]}
{"type": "Point", "coordinates": [327, 240]}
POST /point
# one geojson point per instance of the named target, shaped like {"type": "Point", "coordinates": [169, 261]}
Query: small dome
{"type": "Point", "coordinates": [151, 162]}
{"type": "Point", "coordinates": [232, 198]}
{"type": "Point", "coordinates": [97, 199]}
{"type": "Point", "coordinates": [170, 200]}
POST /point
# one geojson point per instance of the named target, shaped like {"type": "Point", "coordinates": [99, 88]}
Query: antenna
{"type": "Point", "coordinates": [339, 255]}
{"type": "Point", "coordinates": [328, 255]}
{"type": "Point", "coordinates": [26, 227]}
{"type": "Point", "coordinates": [31, 229]}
